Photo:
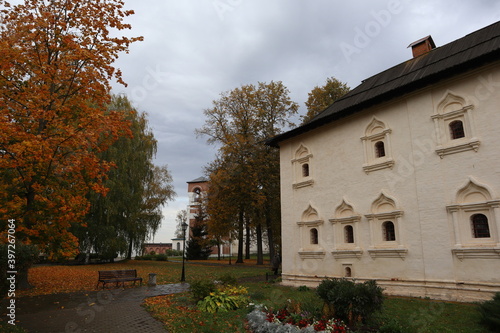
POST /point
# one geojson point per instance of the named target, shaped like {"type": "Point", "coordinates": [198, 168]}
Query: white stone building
{"type": "Point", "coordinates": [399, 180]}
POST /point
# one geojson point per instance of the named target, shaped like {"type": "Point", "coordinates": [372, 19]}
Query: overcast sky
{"type": "Point", "coordinates": [195, 49]}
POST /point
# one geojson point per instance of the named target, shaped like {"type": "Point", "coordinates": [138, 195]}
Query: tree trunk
{"type": "Point", "coordinates": [22, 279]}
{"type": "Point", "coordinates": [30, 202]}
{"type": "Point", "coordinates": [269, 232]}
{"type": "Point", "coordinates": [260, 255]}
{"type": "Point", "coordinates": [130, 246]}
{"type": "Point", "coordinates": [247, 238]}
{"type": "Point", "coordinates": [241, 225]}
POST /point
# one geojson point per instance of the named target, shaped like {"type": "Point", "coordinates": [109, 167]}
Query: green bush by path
{"type": "Point", "coordinates": [349, 301]}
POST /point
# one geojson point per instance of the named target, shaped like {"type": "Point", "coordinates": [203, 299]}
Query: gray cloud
{"type": "Point", "coordinates": [193, 51]}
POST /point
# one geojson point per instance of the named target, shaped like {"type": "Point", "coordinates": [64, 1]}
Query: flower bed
{"type": "Point", "coordinates": [261, 320]}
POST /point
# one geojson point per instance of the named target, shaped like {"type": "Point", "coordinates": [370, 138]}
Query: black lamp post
{"type": "Point", "coordinates": [184, 227]}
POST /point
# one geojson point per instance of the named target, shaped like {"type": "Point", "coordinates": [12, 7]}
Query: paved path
{"type": "Point", "coordinates": [106, 311]}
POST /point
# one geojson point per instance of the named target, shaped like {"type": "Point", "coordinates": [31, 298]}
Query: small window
{"type": "Point", "coordinates": [305, 170]}
{"type": "Point", "coordinates": [314, 236]}
{"type": "Point", "coordinates": [178, 246]}
{"type": "Point", "coordinates": [348, 272]}
{"type": "Point", "coordinates": [349, 234]}
{"type": "Point", "coordinates": [379, 149]}
{"type": "Point", "coordinates": [389, 232]}
{"type": "Point", "coordinates": [457, 130]}
{"type": "Point", "coordinates": [480, 226]}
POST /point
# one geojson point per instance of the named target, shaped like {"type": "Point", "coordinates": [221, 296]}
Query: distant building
{"type": "Point", "coordinates": [178, 244]}
{"type": "Point", "coordinates": [157, 248]}
{"type": "Point", "coordinates": [197, 190]}
{"type": "Point", "coordinates": [399, 180]}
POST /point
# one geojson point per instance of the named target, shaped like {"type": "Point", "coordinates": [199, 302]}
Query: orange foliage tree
{"type": "Point", "coordinates": [56, 64]}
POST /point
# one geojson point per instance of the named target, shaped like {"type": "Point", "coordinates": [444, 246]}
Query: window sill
{"type": "Point", "coordinates": [388, 253]}
{"type": "Point", "coordinates": [387, 163]}
{"type": "Point", "coordinates": [347, 253]}
{"type": "Point", "coordinates": [312, 254]}
{"type": "Point", "coordinates": [452, 148]}
{"type": "Point", "coordinates": [477, 253]}
{"type": "Point", "coordinates": [303, 184]}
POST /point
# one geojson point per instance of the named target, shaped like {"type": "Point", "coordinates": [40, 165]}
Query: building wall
{"type": "Point", "coordinates": [426, 195]}
{"type": "Point", "coordinates": [158, 248]}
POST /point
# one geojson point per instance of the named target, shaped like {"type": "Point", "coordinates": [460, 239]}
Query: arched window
{"type": "Point", "coordinates": [349, 234]}
{"type": "Point", "coordinates": [305, 170]}
{"type": "Point", "coordinates": [457, 129]}
{"type": "Point", "coordinates": [379, 149]}
{"type": "Point", "coordinates": [197, 194]}
{"type": "Point", "coordinates": [178, 246]}
{"type": "Point", "coordinates": [377, 144]}
{"type": "Point", "coordinates": [348, 272]}
{"type": "Point", "coordinates": [314, 236]}
{"type": "Point", "coordinates": [480, 226]}
{"type": "Point", "coordinates": [388, 230]}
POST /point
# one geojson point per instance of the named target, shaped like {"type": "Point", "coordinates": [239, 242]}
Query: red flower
{"type": "Point", "coordinates": [303, 323]}
{"type": "Point", "coordinates": [320, 326]}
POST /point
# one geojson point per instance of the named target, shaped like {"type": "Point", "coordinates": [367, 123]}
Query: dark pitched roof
{"type": "Point", "coordinates": [471, 51]}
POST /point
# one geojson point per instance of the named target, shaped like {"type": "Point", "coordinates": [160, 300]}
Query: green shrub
{"type": "Point", "coordinates": [303, 288]}
{"type": "Point", "coordinates": [173, 253]}
{"type": "Point", "coordinates": [201, 288]}
{"type": "Point", "coordinates": [351, 301]}
{"type": "Point", "coordinates": [223, 300]}
{"type": "Point", "coordinates": [368, 299]}
{"type": "Point", "coordinates": [148, 257]}
{"type": "Point", "coordinates": [161, 257]}
{"type": "Point", "coordinates": [227, 280]}
{"type": "Point", "coordinates": [490, 313]}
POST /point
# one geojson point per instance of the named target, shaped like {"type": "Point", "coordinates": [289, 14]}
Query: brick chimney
{"type": "Point", "coordinates": [422, 46]}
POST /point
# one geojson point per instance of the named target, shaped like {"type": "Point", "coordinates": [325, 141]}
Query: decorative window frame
{"type": "Point", "coordinates": [475, 198]}
{"type": "Point", "coordinates": [384, 208]}
{"type": "Point", "coordinates": [310, 219]}
{"type": "Point", "coordinates": [302, 156]}
{"type": "Point", "coordinates": [454, 107]}
{"type": "Point", "coordinates": [377, 131]}
{"type": "Point", "coordinates": [345, 215]}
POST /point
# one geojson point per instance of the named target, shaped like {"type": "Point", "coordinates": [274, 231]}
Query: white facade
{"type": "Point", "coordinates": [410, 211]}
{"type": "Point", "coordinates": [178, 244]}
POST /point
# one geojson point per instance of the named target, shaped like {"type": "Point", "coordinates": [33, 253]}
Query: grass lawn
{"type": "Point", "coordinates": [180, 314]}
{"type": "Point", "coordinates": [60, 279]}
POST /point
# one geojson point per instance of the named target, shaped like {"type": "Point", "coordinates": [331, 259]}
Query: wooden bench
{"type": "Point", "coordinates": [117, 276]}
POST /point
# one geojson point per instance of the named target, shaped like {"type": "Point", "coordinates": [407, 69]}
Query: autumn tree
{"type": "Point", "coordinates": [121, 220]}
{"type": "Point", "coordinates": [222, 204]}
{"type": "Point", "coordinates": [56, 64]}
{"type": "Point", "coordinates": [322, 97]}
{"type": "Point", "coordinates": [240, 121]}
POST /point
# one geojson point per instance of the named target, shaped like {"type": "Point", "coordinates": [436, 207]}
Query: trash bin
{"type": "Point", "coordinates": [152, 279]}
